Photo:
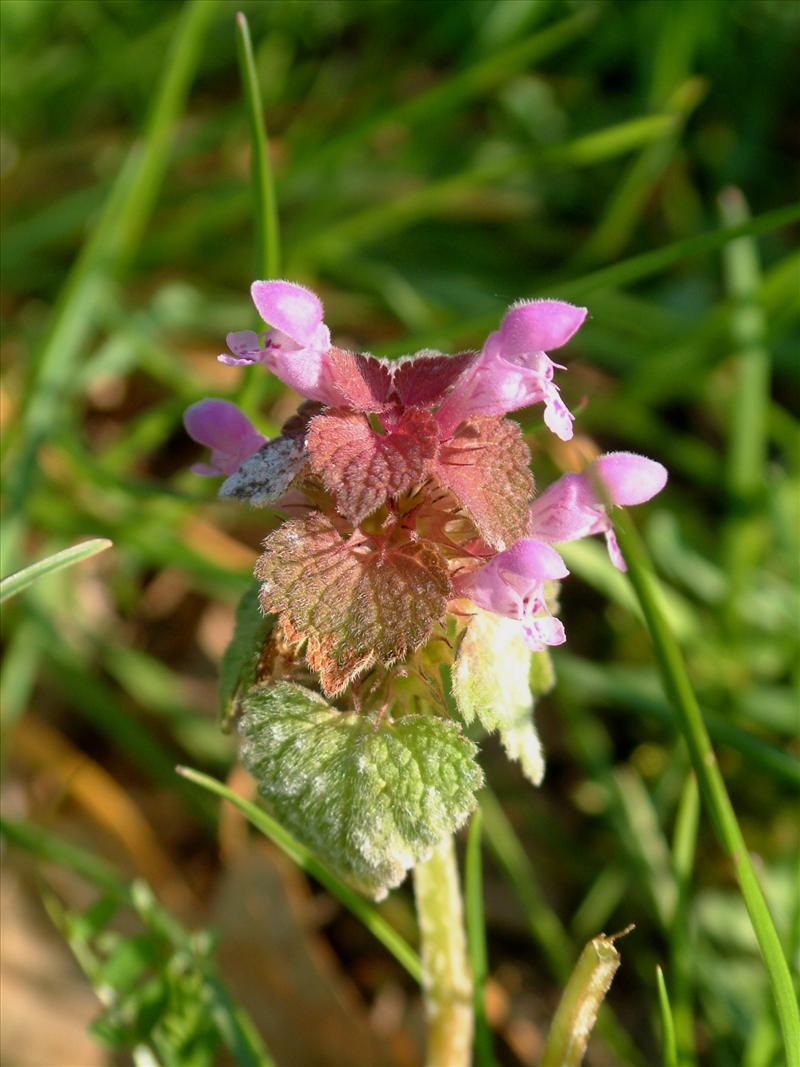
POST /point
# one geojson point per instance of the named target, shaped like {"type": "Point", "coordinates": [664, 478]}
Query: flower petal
{"type": "Point", "coordinates": [557, 416]}
{"type": "Point", "coordinates": [306, 370]}
{"type": "Point", "coordinates": [531, 558]}
{"type": "Point", "coordinates": [614, 551]}
{"type": "Point", "coordinates": [290, 308]}
{"type": "Point", "coordinates": [629, 478]}
{"type": "Point", "coordinates": [512, 577]}
{"type": "Point", "coordinates": [567, 510]}
{"type": "Point", "coordinates": [543, 631]}
{"type": "Point", "coordinates": [538, 326]}
{"type": "Point", "coordinates": [226, 430]}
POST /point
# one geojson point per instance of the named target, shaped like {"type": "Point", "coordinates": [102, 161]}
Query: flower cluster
{"type": "Point", "coordinates": [406, 490]}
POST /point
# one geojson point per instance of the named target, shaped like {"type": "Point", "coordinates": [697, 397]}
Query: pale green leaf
{"type": "Point", "coordinates": [580, 1002]}
{"type": "Point", "coordinates": [542, 676]}
{"type": "Point", "coordinates": [371, 799]}
{"type": "Point", "coordinates": [491, 683]}
{"type": "Point", "coordinates": [240, 662]}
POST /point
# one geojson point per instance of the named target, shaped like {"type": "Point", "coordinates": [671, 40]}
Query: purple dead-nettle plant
{"type": "Point", "coordinates": [411, 587]}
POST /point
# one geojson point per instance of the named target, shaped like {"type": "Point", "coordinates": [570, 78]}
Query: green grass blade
{"type": "Point", "coordinates": [580, 1002]}
{"type": "Point", "coordinates": [712, 785]}
{"type": "Point", "coordinates": [237, 1028]}
{"type": "Point", "coordinates": [648, 263]}
{"type": "Point", "coordinates": [476, 940]}
{"type": "Point", "coordinates": [15, 583]}
{"type": "Point", "coordinates": [682, 954]}
{"type": "Point", "coordinates": [749, 409]}
{"type": "Point", "coordinates": [111, 243]}
{"type": "Point", "coordinates": [668, 1043]}
{"type": "Point", "coordinates": [305, 859]}
{"type": "Point", "coordinates": [268, 252]}
{"type": "Point", "coordinates": [254, 383]}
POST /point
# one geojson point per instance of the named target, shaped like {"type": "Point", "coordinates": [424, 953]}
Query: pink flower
{"type": "Point", "coordinates": [512, 584]}
{"type": "Point", "coordinates": [226, 430]}
{"type": "Point", "coordinates": [296, 346]}
{"type": "Point", "coordinates": [514, 370]}
{"type": "Point", "coordinates": [572, 507]}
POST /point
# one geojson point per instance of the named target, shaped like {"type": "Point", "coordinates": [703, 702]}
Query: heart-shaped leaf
{"type": "Point", "coordinates": [362, 468]}
{"type": "Point", "coordinates": [485, 467]}
{"type": "Point", "coordinates": [371, 799]}
{"type": "Point", "coordinates": [355, 601]}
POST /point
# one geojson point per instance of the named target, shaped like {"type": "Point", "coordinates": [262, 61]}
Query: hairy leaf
{"type": "Point", "coordinates": [362, 468]}
{"type": "Point", "coordinates": [490, 683]}
{"type": "Point", "coordinates": [425, 378]}
{"type": "Point", "coordinates": [364, 382]}
{"type": "Point", "coordinates": [370, 799]}
{"type": "Point", "coordinates": [485, 467]}
{"type": "Point", "coordinates": [542, 674]}
{"type": "Point", "coordinates": [267, 474]}
{"type": "Point", "coordinates": [240, 661]}
{"type": "Point", "coordinates": [355, 601]}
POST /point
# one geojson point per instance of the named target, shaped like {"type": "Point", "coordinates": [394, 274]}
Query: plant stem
{"type": "Point", "coordinates": [446, 977]}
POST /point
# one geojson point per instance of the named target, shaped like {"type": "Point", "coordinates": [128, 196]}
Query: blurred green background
{"type": "Point", "coordinates": [433, 162]}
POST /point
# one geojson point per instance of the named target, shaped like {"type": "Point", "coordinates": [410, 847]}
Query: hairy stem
{"type": "Point", "coordinates": [446, 977]}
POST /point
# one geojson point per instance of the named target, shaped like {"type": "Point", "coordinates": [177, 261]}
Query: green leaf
{"type": "Point", "coordinates": [240, 662]}
{"type": "Point", "coordinates": [491, 684]}
{"type": "Point", "coordinates": [20, 580]}
{"type": "Point", "coordinates": [371, 799]}
{"type": "Point", "coordinates": [542, 677]}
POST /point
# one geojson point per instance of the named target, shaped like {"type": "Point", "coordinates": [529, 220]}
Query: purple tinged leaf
{"type": "Point", "coordinates": [363, 469]}
{"type": "Point", "coordinates": [355, 602]}
{"type": "Point", "coordinates": [485, 467]}
{"type": "Point", "coordinates": [424, 378]}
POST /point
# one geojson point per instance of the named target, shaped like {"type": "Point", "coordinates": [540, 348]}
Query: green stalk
{"type": "Point", "coordinates": [712, 786]}
{"type": "Point", "coordinates": [445, 968]}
